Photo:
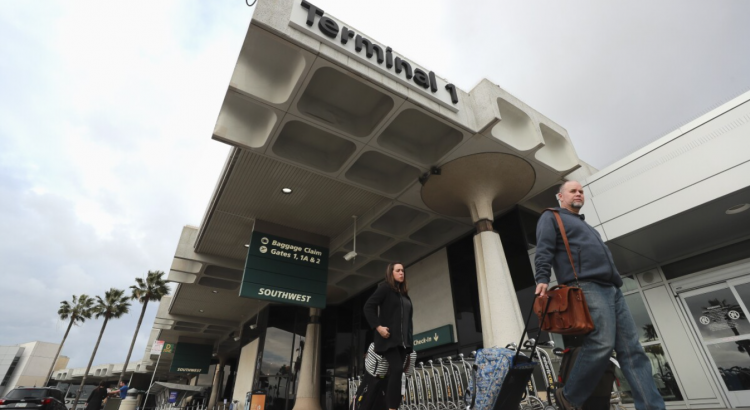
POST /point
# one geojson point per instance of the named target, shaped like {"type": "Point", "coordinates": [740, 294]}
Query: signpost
{"type": "Point", "coordinates": [156, 348]}
{"type": "Point", "coordinates": [282, 270]}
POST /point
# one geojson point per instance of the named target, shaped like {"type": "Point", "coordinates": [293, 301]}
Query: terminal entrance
{"type": "Point", "coordinates": [719, 315]}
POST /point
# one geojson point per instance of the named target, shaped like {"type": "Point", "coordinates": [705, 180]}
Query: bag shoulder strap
{"type": "Point", "coordinates": [565, 240]}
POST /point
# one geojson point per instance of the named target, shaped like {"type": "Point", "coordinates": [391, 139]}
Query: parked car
{"type": "Point", "coordinates": [37, 398]}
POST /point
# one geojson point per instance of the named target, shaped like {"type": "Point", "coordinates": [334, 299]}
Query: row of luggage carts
{"type": "Point", "coordinates": [443, 383]}
{"type": "Point", "coordinates": [436, 385]}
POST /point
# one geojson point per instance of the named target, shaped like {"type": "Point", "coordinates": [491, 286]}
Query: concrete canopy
{"type": "Point", "coordinates": [349, 136]}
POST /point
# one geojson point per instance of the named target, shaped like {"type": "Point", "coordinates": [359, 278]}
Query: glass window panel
{"type": "Point", "coordinates": [744, 292]}
{"type": "Point", "coordinates": [629, 284]}
{"type": "Point", "coordinates": [733, 362]}
{"type": "Point", "coordinates": [662, 373]}
{"type": "Point", "coordinates": [647, 332]}
{"type": "Point", "coordinates": [276, 352]}
{"type": "Point", "coordinates": [717, 315]}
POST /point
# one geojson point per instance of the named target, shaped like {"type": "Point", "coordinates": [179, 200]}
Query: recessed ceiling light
{"type": "Point", "coordinates": [737, 209]}
{"type": "Point", "coordinates": [286, 190]}
{"type": "Point", "coordinates": [247, 245]}
{"type": "Point", "coordinates": [200, 310]}
{"type": "Point", "coordinates": [214, 291]}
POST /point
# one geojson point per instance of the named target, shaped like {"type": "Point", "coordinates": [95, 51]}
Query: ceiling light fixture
{"type": "Point", "coordinates": [286, 190]}
{"type": "Point", "coordinates": [200, 310]}
{"type": "Point", "coordinates": [737, 209]}
{"type": "Point", "coordinates": [214, 291]}
{"type": "Point", "coordinates": [247, 245]}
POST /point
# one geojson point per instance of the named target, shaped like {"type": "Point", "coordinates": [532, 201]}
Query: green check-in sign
{"type": "Point", "coordinates": [442, 335]}
{"type": "Point", "coordinates": [286, 271]}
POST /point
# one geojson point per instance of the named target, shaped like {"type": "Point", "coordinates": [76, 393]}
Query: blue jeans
{"type": "Point", "coordinates": [614, 329]}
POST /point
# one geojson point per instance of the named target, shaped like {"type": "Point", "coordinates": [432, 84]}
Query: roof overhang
{"type": "Point", "coordinates": [350, 134]}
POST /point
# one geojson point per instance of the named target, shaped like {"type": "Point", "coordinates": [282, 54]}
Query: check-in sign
{"type": "Point", "coordinates": [286, 271]}
{"type": "Point", "coordinates": [442, 335]}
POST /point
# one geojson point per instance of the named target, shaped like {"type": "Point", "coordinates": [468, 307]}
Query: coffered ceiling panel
{"type": "Point", "coordinates": [317, 204]}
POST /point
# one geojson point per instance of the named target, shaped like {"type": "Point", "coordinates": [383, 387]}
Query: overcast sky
{"type": "Point", "coordinates": [107, 110]}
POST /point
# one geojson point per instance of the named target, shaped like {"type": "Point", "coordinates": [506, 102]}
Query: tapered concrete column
{"type": "Point", "coordinates": [308, 392]}
{"type": "Point", "coordinates": [476, 186]}
{"type": "Point", "coordinates": [502, 322]}
{"type": "Point", "coordinates": [218, 379]}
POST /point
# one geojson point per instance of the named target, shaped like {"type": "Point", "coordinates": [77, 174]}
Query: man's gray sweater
{"type": "Point", "coordinates": [591, 256]}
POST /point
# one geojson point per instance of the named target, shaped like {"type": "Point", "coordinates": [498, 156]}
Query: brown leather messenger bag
{"type": "Point", "coordinates": [566, 310]}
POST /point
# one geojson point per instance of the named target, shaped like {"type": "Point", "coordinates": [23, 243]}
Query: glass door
{"type": "Point", "coordinates": [720, 316]}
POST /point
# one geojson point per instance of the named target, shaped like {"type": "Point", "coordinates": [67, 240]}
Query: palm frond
{"type": "Point", "coordinates": [152, 289]}
{"type": "Point", "coordinates": [78, 309]}
{"type": "Point", "coordinates": [113, 305]}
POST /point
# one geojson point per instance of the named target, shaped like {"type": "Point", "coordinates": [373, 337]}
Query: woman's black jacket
{"type": "Point", "coordinates": [391, 312]}
{"type": "Point", "coordinates": [94, 401]}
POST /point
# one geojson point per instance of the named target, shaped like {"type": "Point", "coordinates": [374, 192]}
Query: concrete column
{"type": "Point", "coordinates": [308, 392]}
{"type": "Point", "coordinates": [218, 379]}
{"type": "Point", "coordinates": [477, 186]}
{"type": "Point", "coordinates": [502, 322]}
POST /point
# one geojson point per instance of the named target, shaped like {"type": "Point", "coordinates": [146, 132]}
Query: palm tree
{"type": "Point", "coordinates": [78, 310]}
{"type": "Point", "coordinates": [650, 332]}
{"type": "Point", "coordinates": [113, 306]}
{"type": "Point", "coordinates": [153, 288]}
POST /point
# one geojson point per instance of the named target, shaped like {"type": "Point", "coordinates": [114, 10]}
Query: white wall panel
{"type": "Point", "coordinates": [680, 201]}
{"type": "Point", "coordinates": [430, 292]}
{"type": "Point", "coordinates": [592, 217]}
{"type": "Point", "coordinates": [684, 161]}
{"type": "Point", "coordinates": [245, 371]}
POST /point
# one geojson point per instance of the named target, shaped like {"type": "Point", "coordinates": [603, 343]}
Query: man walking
{"type": "Point", "coordinates": [122, 390]}
{"type": "Point", "coordinates": [600, 281]}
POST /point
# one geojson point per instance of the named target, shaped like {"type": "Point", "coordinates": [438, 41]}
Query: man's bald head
{"type": "Point", "coordinates": [562, 187]}
{"type": "Point", "coordinates": [570, 196]}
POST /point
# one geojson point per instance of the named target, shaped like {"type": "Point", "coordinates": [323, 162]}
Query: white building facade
{"type": "Point", "coordinates": [27, 364]}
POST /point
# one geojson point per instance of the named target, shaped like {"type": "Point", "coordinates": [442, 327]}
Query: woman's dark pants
{"type": "Point", "coordinates": [395, 357]}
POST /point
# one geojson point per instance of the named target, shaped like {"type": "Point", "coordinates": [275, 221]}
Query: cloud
{"type": "Point", "coordinates": [105, 153]}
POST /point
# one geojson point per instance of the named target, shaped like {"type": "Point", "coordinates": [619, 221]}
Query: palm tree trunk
{"type": "Point", "coordinates": [80, 388]}
{"type": "Point", "coordinates": [137, 328]}
{"type": "Point", "coordinates": [59, 349]}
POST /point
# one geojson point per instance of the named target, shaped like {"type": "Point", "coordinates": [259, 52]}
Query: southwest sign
{"type": "Point", "coordinates": [286, 271]}
{"type": "Point", "coordinates": [191, 358]}
{"type": "Point", "coordinates": [313, 21]}
{"type": "Point", "coordinates": [442, 335]}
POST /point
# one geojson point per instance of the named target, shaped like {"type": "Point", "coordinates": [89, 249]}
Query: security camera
{"type": "Point", "coordinates": [349, 256]}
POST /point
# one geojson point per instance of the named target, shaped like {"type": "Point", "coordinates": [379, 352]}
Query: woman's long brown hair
{"type": "Point", "coordinates": [402, 287]}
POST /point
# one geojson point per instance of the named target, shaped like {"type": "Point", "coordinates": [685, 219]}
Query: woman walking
{"type": "Point", "coordinates": [393, 327]}
{"type": "Point", "coordinates": [94, 402]}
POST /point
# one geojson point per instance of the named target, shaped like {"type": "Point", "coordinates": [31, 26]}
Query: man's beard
{"type": "Point", "coordinates": [577, 204]}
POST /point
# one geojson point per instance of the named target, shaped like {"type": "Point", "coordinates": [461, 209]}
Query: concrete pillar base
{"type": "Point", "coordinates": [502, 322]}
{"type": "Point", "coordinates": [307, 403]}
{"type": "Point", "coordinates": [308, 392]}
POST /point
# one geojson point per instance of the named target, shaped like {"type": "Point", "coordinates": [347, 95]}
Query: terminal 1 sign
{"type": "Point", "coordinates": [285, 271]}
{"type": "Point", "coordinates": [383, 58]}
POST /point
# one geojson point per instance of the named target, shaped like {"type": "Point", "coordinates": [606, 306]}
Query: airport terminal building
{"type": "Point", "coordinates": [343, 146]}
